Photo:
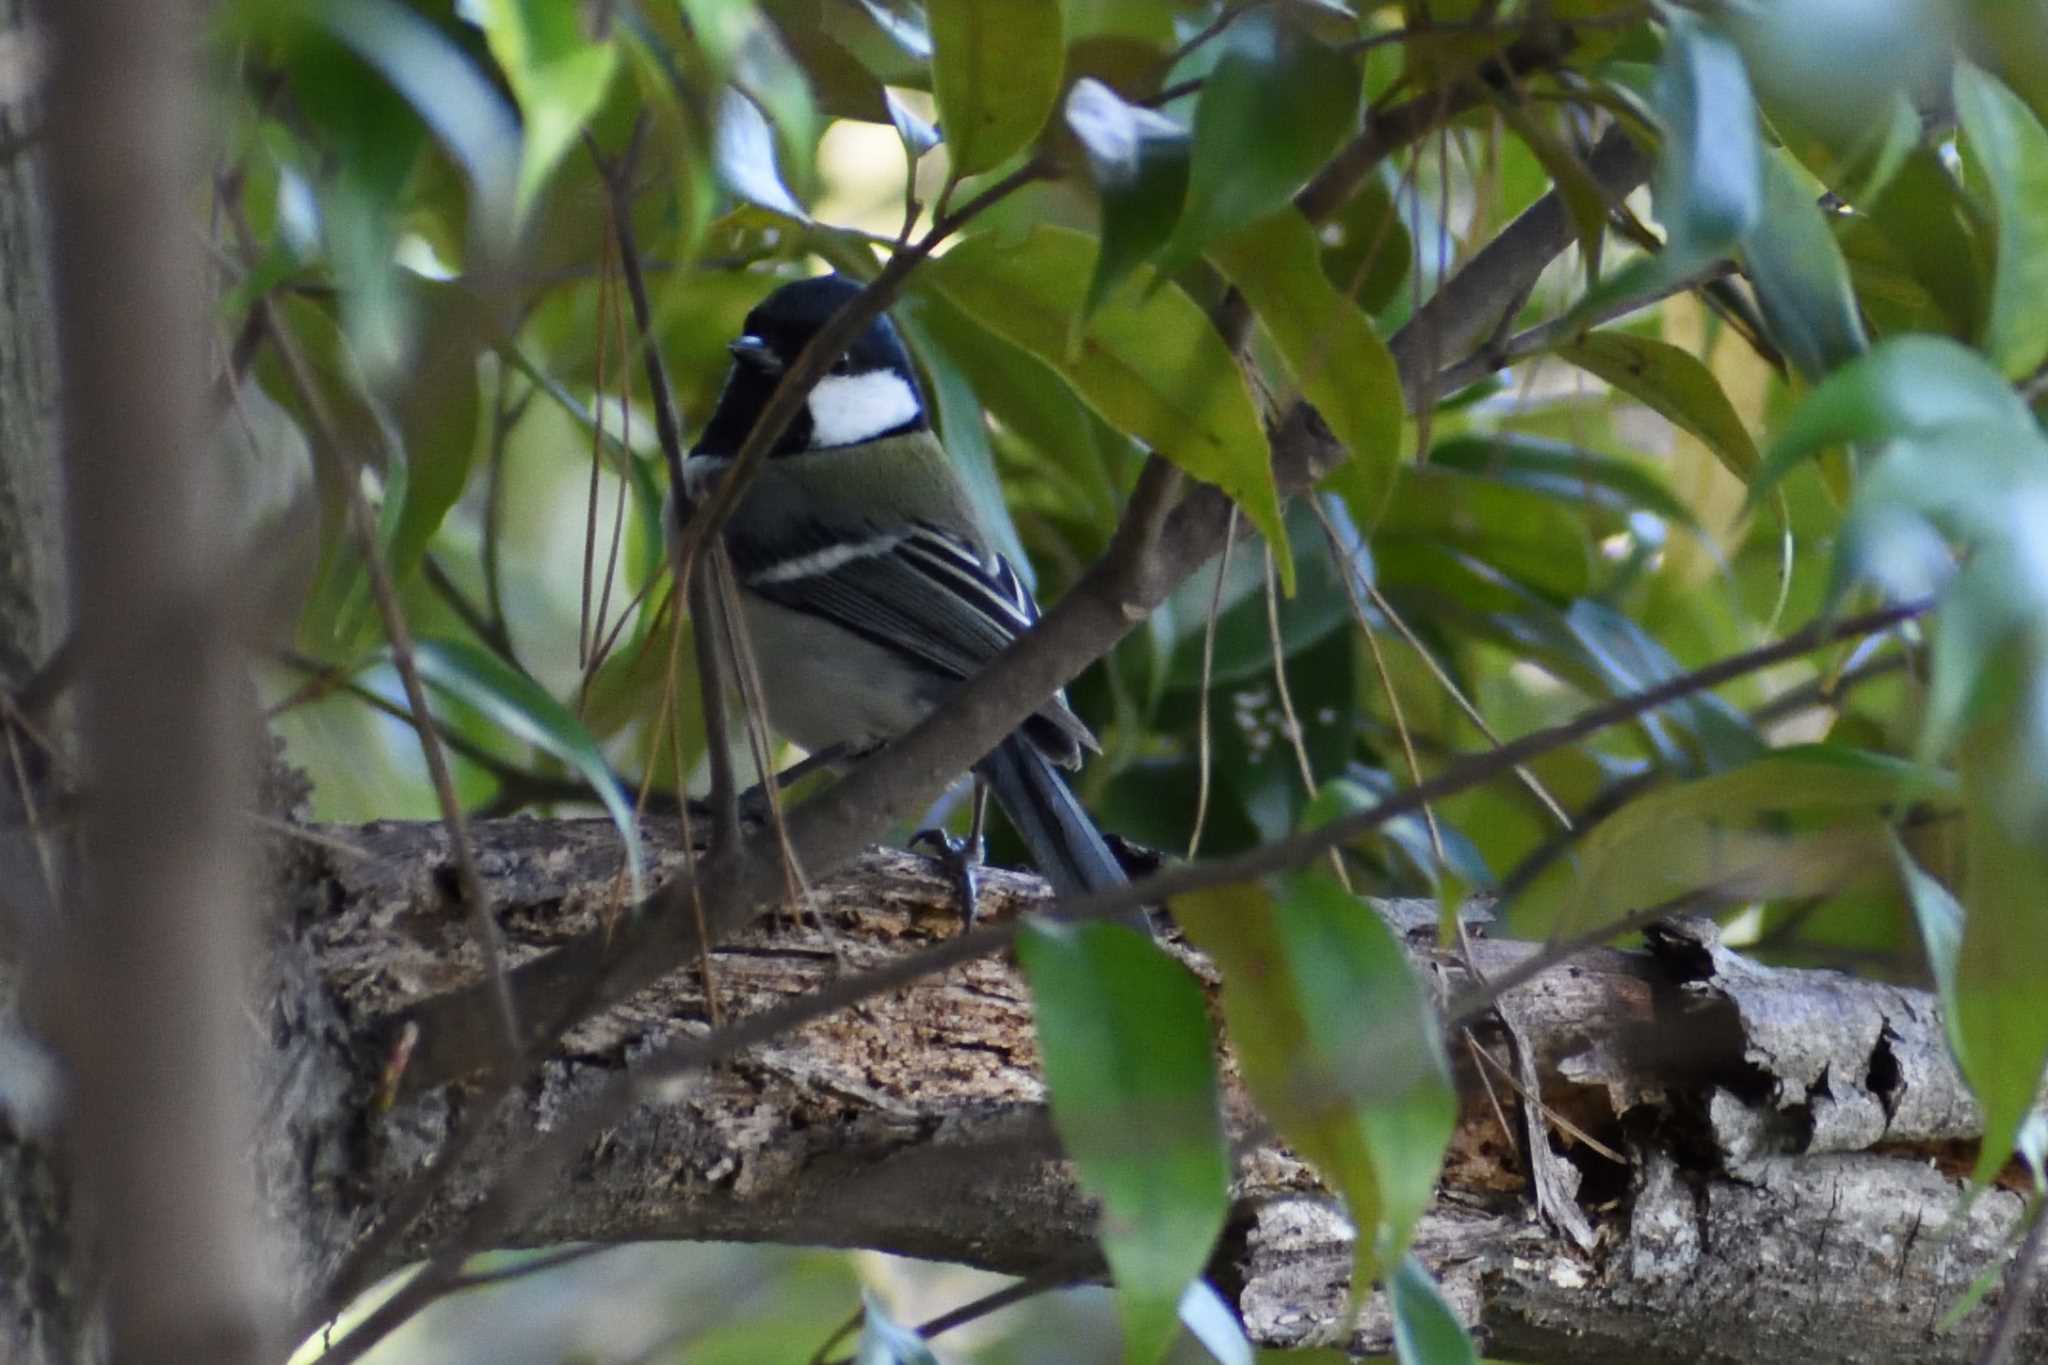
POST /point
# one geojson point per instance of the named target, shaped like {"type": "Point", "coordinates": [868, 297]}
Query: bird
{"type": "Point", "coordinates": [870, 588]}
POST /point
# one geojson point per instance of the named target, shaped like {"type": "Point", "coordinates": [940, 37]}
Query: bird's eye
{"type": "Point", "coordinates": [843, 365]}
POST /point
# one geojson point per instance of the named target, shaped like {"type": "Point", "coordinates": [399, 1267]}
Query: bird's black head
{"type": "Point", "coordinates": [870, 392]}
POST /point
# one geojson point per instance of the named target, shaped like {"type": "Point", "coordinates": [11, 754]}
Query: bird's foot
{"type": "Point", "coordinates": [962, 860]}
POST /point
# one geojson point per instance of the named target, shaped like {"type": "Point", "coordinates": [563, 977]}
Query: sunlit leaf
{"type": "Point", "coordinates": [1275, 106]}
{"type": "Point", "coordinates": [521, 708]}
{"type": "Point", "coordinates": [1211, 1322]}
{"type": "Point", "coordinates": [884, 1341]}
{"type": "Point", "coordinates": [1139, 162]}
{"type": "Point", "coordinates": [1129, 1062]}
{"type": "Point", "coordinates": [744, 149]}
{"type": "Point", "coordinates": [1329, 346]}
{"type": "Point", "coordinates": [1148, 361]}
{"type": "Point", "coordinates": [995, 74]}
{"type": "Point", "coordinates": [1674, 383]}
{"type": "Point", "coordinates": [2005, 138]}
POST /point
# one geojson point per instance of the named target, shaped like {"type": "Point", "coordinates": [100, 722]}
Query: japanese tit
{"type": "Point", "coordinates": [869, 586]}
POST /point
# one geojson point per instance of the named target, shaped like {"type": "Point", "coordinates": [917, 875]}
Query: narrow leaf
{"type": "Point", "coordinates": [1129, 1061]}
{"type": "Point", "coordinates": [2003, 136]}
{"type": "Point", "coordinates": [558, 76]}
{"type": "Point", "coordinates": [1426, 1330]}
{"type": "Point", "coordinates": [1801, 277]}
{"type": "Point", "coordinates": [521, 708]}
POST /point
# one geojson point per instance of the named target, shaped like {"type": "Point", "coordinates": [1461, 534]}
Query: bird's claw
{"type": "Point", "coordinates": [962, 860]}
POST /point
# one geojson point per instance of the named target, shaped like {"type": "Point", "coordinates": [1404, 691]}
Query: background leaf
{"type": "Point", "coordinates": [995, 74]}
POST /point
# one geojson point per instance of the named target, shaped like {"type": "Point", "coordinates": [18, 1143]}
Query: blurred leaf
{"type": "Point", "coordinates": [1708, 188]}
{"type": "Point", "coordinates": [1906, 385]}
{"type": "Point", "coordinates": [1129, 1062]}
{"type": "Point", "coordinates": [1139, 162]}
{"type": "Point", "coordinates": [1674, 383]}
{"type": "Point", "coordinates": [465, 111]}
{"type": "Point", "coordinates": [842, 86]}
{"type": "Point", "coordinates": [744, 150]}
{"type": "Point", "coordinates": [1564, 472]}
{"type": "Point", "coordinates": [1211, 1322]}
{"type": "Point", "coordinates": [1801, 278]}
{"type": "Point", "coordinates": [1339, 1047]}
{"type": "Point", "coordinates": [884, 1341]}
{"type": "Point", "coordinates": [1329, 347]}
{"type": "Point", "coordinates": [1630, 660]}
{"type": "Point", "coordinates": [2004, 137]}
{"type": "Point", "coordinates": [1369, 256]}
{"type": "Point", "coordinates": [2000, 1025]}
{"type": "Point", "coordinates": [1583, 197]}
{"type": "Point", "coordinates": [1939, 238]}
{"type": "Point", "coordinates": [1148, 361]}
{"type": "Point", "coordinates": [918, 137]}
{"type": "Point", "coordinates": [437, 415]}
{"type": "Point", "coordinates": [557, 75]}
{"type": "Point", "coordinates": [519, 706]}
{"type": "Point", "coordinates": [1940, 920]}
{"type": "Point", "coordinates": [1243, 649]}
{"type": "Point", "coordinates": [995, 74]}
{"type": "Point", "coordinates": [1426, 1331]}
{"type": "Point", "coordinates": [1275, 106]}
{"type": "Point", "coordinates": [1528, 534]}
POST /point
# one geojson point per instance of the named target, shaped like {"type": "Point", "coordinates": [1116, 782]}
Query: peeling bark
{"type": "Point", "coordinates": [1747, 1223]}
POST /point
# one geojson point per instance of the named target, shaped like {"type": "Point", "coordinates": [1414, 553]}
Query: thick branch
{"type": "Point", "coordinates": [1762, 1112]}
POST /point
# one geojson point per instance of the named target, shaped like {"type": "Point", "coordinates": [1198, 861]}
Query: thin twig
{"type": "Point", "coordinates": [1204, 755]}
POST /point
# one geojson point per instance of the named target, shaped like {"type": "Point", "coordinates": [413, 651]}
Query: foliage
{"type": "Point", "coordinates": [1814, 380]}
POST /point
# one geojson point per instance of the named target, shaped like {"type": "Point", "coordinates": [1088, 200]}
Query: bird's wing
{"type": "Point", "coordinates": [919, 591]}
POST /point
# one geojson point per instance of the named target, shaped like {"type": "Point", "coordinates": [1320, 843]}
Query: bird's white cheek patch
{"type": "Point", "coordinates": [847, 409]}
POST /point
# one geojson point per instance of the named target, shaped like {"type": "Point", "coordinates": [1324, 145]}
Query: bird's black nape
{"type": "Point", "coordinates": [784, 323]}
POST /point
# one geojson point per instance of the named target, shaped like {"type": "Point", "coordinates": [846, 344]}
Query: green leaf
{"type": "Point", "coordinates": [521, 708]}
{"type": "Point", "coordinates": [1940, 239]}
{"type": "Point", "coordinates": [744, 151]}
{"type": "Point", "coordinates": [2000, 1023]}
{"type": "Point", "coordinates": [1329, 347]}
{"type": "Point", "coordinates": [1426, 1330]}
{"type": "Point", "coordinates": [995, 74]}
{"type": "Point", "coordinates": [1725, 826]}
{"type": "Point", "coordinates": [1801, 278]}
{"type": "Point", "coordinates": [884, 1341]}
{"type": "Point", "coordinates": [2003, 136]}
{"type": "Point", "coordinates": [1129, 1062]}
{"type": "Point", "coordinates": [1584, 198]}
{"type": "Point", "coordinates": [437, 416]}
{"type": "Point", "coordinates": [1339, 1047]}
{"type": "Point", "coordinates": [1564, 472]}
{"type": "Point", "coordinates": [464, 110]}
{"type": "Point", "coordinates": [1275, 106]}
{"type": "Point", "coordinates": [1149, 361]}
{"type": "Point", "coordinates": [1708, 189]}
{"type": "Point", "coordinates": [1139, 162]}
{"type": "Point", "coordinates": [1905, 386]}
{"type": "Point", "coordinates": [1939, 917]}
{"type": "Point", "coordinates": [558, 76]}
{"type": "Point", "coordinates": [1674, 383]}
{"type": "Point", "coordinates": [1368, 248]}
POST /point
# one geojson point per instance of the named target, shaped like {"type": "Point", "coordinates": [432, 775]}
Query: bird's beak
{"type": "Point", "coordinates": [752, 350]}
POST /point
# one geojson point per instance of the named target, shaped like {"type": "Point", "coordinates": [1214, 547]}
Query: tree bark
{"type": "Point", "coordinates": [1794, 1143]}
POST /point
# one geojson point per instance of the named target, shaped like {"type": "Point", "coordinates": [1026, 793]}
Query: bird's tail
{"type": "Point", "coordinates": [1064, 842]}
